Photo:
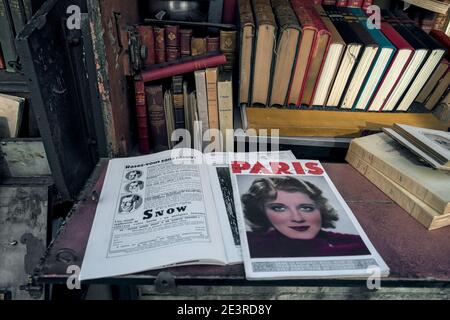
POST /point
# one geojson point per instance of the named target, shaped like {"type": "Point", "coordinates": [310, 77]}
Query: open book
{"type": "Point", "coordinates": [166, 209]}
{"type": "Point", "coordinates": [293, 223]}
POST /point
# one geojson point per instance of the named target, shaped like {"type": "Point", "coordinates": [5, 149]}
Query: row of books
{"type": "Point", "coordinates": [170, 43]}
{"type": "Point", "coordinates": [195, 102]}
{"type": "Point", "coordinates": [306, 54]}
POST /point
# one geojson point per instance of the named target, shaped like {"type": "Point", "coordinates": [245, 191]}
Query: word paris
{"type": "Point", "coordinates": [219, 140]}
{"type": "Point", "coordinates": [230, 309]}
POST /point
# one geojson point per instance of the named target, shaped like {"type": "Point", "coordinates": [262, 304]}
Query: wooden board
{"type": "Point", "coordinates": [418, 209]}
{"type": "Point", "coordinates": [403, 167]}
{"type": "Point", "coordinates": [322, 123]}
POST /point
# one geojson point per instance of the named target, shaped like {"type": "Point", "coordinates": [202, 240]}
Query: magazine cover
{"type": "Point", "coordinates": [294, 224]}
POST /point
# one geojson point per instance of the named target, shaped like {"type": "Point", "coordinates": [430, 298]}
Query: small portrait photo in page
{"type": "Point", "coordinates": [294, 224]}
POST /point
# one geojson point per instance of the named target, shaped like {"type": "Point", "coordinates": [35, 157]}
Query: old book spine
{"type": "Point", "coordinates": [156, 117]}
{"type": "Point", "coordinates": [398, 177]}
{"type": "Point", "coordinates": [198, 46]}
{"type": "Point", "coordinates": [247, 35]}
{"type": "Point", "coordinates": [228, 47]}
{"type": "Point", "coordinates": [366, 4]}
{"type": "Point", "coordinates": [160, 46]}
{"type": "Point", "coordinates": [355, 3]}
{"type": "Point", "coordinates": [2, 60]}
{"type": "Point", "coordinates": [178, 102]}
{"type": "Point", "coordinates": [229, 11]}
{"type": "Point", "coordinates": [211, 89]}
{"type": "Point", "coordinates": [185, 42]}
{"type": "Point", "coordinates": [212, 44]}
{"type": "Point", "coordinates": [141, 116]}
{"type": "Point", "coordinates": [172, 39]}
{"type": "Point", "coordinates": [7, 37]}
{"type": "Point", "coordinates": [202, 99]}
{"type": "Point", "coordinates": [341, 3]}
{"type": "Point", "coordinates": [183, 67]}
{"type": "Point", "coordinates": [147, 38]}
{"type": "Point", "coordinates": [225, 106]}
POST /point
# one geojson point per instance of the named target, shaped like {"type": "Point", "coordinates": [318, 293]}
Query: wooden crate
{"type": "Point", "coordinates": [324, 123]}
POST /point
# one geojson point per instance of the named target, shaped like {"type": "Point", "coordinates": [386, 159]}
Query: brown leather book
{"type": "Point", "coordinates": [185, 42]}
{"type": "Point", "coordinates": [286, 51]}
{"type": "Point", "coordinates": [160, 46]}
{"type": "Point", "coordinates": [156, 118]}
{"type": "Point", "coordinates": [178, 102]}
{"type": "Point", "coordinates": [198, 46]}
{"type": "Point", "coordinates": [212, 44]}
{"type": "Point", "coordinates": [266, 29]}
{"type": "Point", "coordinates": [228, 47]}
{"type": "Point", "coordinates": [172, 54]}
{"type": "Point", "coordinates": [141, 116]}
{"type": "Point", "coordinates": [147, 38]}
{"type": "Point", "coordinates": [172, 35]}
{"type": "Point", "coordinates": [247, 35]}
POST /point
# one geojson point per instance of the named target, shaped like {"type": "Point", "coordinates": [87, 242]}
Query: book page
{"type": "Point", "coordinates": [219, 173]}
{"type": "Point", "coordinates": [293, 223]}
{"type": "Point", "coordinates": [154, 211]}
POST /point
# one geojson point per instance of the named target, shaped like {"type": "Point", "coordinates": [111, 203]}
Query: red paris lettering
{"type": "Point", "coordinates": [238, 166]}
{"type": "Point", "coordinates": [280, 168]}
{"type": "Point", "coordinates": [313, 168]}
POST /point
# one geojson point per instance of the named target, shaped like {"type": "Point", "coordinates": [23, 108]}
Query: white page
{"type": "Point", "coordinates": [331, 246]}
{"type": "Point", "coordinates": [222, 190]}
{"type": "Point", "coordinates": [171, 220]}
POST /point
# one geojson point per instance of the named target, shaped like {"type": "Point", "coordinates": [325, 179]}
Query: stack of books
{"type": "Point", "coordinates": [419, 189]}
{"type": "Point", "coordinates": [308, 54]}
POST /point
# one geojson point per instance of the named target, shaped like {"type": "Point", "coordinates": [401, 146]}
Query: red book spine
{"type": "Point", "coordinates": [229, 11]}
{"type": "Point", "coordinates": [172, 54]}
{"type": "Point", "coordinates": [212, 44]}
{"type": "Point", "coordinates": [366, 4]}
{"type": "Point", "coordinates": [441, 37]}
{"type": "Point", "coordinates": [160, 46]}
{"type": "Point", "coordinates": [184, 67]}
{"type": "Point", "coordinates": [341, 3]}
{"type": "Point", "coordinates": [2, 60]}
{"type": "Point", "coordinates": [141, 115]}
{"type": "Point", "coordinates": [355, 3]}
{"type": "Point", "coordinates": [185, 42]}
{"type": "Point", "coordinates": [147, 38]}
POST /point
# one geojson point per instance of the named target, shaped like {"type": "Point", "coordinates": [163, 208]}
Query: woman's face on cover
{"type": "Point", "coordinates": [294, 215]}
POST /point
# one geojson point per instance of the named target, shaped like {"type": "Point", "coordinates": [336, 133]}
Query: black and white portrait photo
{"type": "Point", "coordinates": [134, 186]}
{"type": "Point", "coordinates": [130, 203]}
{"type": "Point", "coordinates": [133, 175]}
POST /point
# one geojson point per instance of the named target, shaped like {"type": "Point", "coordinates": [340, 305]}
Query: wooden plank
{"type": "Point", "coordinates": [322, 123]}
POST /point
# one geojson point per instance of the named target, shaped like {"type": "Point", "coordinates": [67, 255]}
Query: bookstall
{"type": "Point", "coordinates": [131, 72]}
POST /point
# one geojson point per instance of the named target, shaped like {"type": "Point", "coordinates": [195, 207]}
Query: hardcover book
{"type": "Point", "coordinates": [351, 56]}
{"type": "Point", "coordinates": [225, 106]}
{"type": "Point", "coordinates": [212, 44]}
{"type": "Point", "coordinates": [398, 66]}
{"type": "Point", "coordinates": [287, 41]}
{"type": "Point", "coordinates": [368, 56]}
{"type": "Point", "coordinates": [228, 47]}
{"type": "Point", "coordinates": [211, 91]}
{"type": "Point", "coordinates": [421, 53]}
{"type": "Point", "coordinates": [198, 46]}
{"type": "Point", "coordinates": [381, 62]}
{"type": "Point", "coordinates": [266, 29]}
{"type": "Point", "coordinates": [160, 46]}
{"type": "Point", "coordinates": [157, 118]}
{"type": "Point", "coordinates": [141, 115]}
{"type": "Point", "coordinates": [332, 60]}
{"type": "Point", "coordinates": [436, 55]}
{"type": "Point", "coordinates": [185, 42]}
{"type": "Point", "coordinates": [147, 38]}
{"type": "Point", "coordinates": [438, 73]}
{"type": "Point", "coordinates": [247, 35]}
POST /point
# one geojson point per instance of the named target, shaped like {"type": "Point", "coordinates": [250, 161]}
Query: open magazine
{"type": "Point", "coordinates": [294, 224]}
{"type": "Point", "coordinates": [163, 210]}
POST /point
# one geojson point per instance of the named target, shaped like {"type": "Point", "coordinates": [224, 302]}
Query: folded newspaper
{"type": "Point", "coordinates": [293, 223]}
{"type": "Point", "coordinates": [171, 208]}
